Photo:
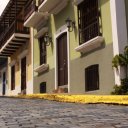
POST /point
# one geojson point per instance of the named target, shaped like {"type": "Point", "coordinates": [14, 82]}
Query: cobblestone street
{"type": "Point", "coordinates": [25, 113]}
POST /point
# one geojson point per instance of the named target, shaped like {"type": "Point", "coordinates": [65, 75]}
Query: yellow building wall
{"type": "Point", "coordinates": [29, 68]}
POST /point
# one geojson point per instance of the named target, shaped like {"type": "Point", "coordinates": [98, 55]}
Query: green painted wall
{"type": "Point", "coordinates": [79, 62]}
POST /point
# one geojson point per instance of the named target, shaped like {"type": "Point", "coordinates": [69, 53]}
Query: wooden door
{"type": "Point", "coordinates": [62, 60]}
{"type": "Point", "coordinates": [13, 78]}
{"type": "Point", "coordinates": [4, 83]}
{"type": "Point", "coordinates": [23, 74]}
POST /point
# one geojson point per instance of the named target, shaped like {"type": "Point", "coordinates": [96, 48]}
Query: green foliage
{"type": "Point", "coordinates": [121, 89]}
{"type": "Point", "coordinates": [121, 59]}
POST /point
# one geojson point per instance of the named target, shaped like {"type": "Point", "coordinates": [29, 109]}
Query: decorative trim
{"type": "Point", "coordinates": [90, 45]}
{"type": "Point", "coordinates": [32, 57]}
{"type": "Point", "coordinates": [41, 32]}
{"type": "Point", "coordinates": [23, 54]}
{"type": "Point", "coordinates": [42, 68]}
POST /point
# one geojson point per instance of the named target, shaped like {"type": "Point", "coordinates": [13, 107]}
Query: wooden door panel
{"type": "Point", "coordinates": [4, 83]}
{"type": "Point", "coordinates": [62, 60]}
{"type": "Point", "coordinates": [23, 74]}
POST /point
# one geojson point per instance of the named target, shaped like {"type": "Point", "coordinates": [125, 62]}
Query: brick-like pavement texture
{"type": "Point", "coordinates": [35, 113]}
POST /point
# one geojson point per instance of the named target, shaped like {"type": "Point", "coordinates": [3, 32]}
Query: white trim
{"type": "Point", "coordinates": [60, 31]}
{"type": "Point", "coordinates": [119, 32]}
{"type": "Point", "coordinates": [41, 68]}
{"type": "Point", "coordinates": [32, 56]}
{"type": "Point", "coordinates": [90, 45]}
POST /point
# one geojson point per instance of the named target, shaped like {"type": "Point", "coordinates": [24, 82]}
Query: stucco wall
{"type": "Point", "coordinates": [78, 62]}
{"type": "Point", "coordinates": [15, 57]}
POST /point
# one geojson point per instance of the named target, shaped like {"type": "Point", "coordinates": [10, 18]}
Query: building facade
{"type": "Point", "coordinates": [15, 44]}
{"type": "Point", "coordinates": [68, 47]}
{"type": "Point", "coordinates": [78, 59]}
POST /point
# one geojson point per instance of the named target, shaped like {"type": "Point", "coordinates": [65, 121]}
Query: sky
{"type": "Point", "coordinates": [3, 4]}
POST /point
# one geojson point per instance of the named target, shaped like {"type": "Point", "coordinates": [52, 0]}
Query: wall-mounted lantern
{"type": "Point", "coordinates": [47, 39]}
{"type": "Point", "coordinates": [70, 24]}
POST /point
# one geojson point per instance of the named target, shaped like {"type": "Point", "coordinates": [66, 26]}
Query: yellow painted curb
{"type": "Point", "coordinates": [108, 99]}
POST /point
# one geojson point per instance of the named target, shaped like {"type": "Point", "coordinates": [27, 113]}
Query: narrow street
{"type": "Point", "coordinates": [28, 113]}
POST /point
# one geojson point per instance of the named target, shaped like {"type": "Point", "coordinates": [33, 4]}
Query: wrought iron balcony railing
{"type": "Point", "coordinates": [89, 32]}
{"type": "Point", "coordinates": [15, 27]}
{"type": "Point", "coordinates": [29, 9]}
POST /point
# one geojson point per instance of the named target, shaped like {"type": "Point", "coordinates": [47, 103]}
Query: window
{"type": "Point", "coordinates": [43, 87]}
{"type": "Point", "coordinates": [88, 20]}
{"type": "Point", "coordinates": [13, 78]}
{"type": "Point", "coordinates": [92, 78]}
{"type": "Point", "coordinates": [42, 51]}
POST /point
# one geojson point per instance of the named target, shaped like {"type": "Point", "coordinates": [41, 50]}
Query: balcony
{"type": "Point", "coordinates": [13, 37]}
{"type": "Point", "coordinates": [90, 38]}
{"type": "Point", "coordinates": [42, 68]}
{"type": "Point", "coordinates": [90, 45]}
{"type": "Point", "coordinates": [52, 7]}
{"type": "Point", "coordinates": [32, 17]}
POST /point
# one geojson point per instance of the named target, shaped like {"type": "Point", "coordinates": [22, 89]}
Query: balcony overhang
{"type": "Point", "coordinates": [13, 43]}
{"type": "Point", "coordinates": [90, 45]}
{"type": "Point", "coordinates": [52, 7]}
{"type": "Point", "coordinates": [35, 19]}
{"type": "Point", "coordinates": [12, 10]}
{"type": "Point", "coordinates": [41, 32]}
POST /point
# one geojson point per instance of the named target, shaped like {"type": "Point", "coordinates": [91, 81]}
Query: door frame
{"type": "Point", "coordinates": [59, 32]}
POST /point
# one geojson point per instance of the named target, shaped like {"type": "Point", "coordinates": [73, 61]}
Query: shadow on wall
{"type": "Point", "coordinates": [67, 12]}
